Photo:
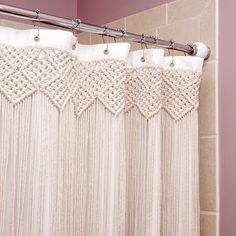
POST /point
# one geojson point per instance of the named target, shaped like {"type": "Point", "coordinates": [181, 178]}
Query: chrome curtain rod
{"type": "Point", "coordinates": [198, 49]}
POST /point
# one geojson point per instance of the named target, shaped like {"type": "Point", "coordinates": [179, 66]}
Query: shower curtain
{"type": "Point", "coordinates": [95, 144]}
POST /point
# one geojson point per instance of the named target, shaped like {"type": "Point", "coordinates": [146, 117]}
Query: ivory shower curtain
{"type": "Point", "coordinates": [94, 144]}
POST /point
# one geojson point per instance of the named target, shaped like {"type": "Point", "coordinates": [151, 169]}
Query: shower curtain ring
{"type": "Point", "coordinates": [114, 39]}
{"type": "Point", "coordinates": [36, 37]}
{"type": "Point", "coordinates": [171, 46]}
{"type": "Point", "coordinates": [106, 51]}
{"type": "Point", "coordinates": [75, 24]}
{"type": "Point", "coordinates": [123, 34]}
{"type": "Point", "coordinates": [156, 41]}
{"type": "Point", "coordinates": [143, 42]}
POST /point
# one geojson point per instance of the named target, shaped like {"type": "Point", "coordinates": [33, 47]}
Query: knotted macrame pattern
{"type": "Point", "coordinates": [60, 76]}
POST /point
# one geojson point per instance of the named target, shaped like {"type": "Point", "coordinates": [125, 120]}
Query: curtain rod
{"type": "Point", "coordinates": [195, 49]}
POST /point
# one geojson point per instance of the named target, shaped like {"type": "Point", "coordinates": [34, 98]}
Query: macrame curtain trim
{"type": "Point", "coordinates": [150, 88]}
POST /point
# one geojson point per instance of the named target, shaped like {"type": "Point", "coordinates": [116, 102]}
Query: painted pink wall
{"type": "Point", "coordinates": [227, 117]}
{"type": "Point", "coordinates": [92, 11]}
{"type": "Point", "coordinates": [104, 11]}
{"type": "Point", "coordinates": [65, 8]}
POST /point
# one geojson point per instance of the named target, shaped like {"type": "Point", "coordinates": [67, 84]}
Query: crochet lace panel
{"type": "Point", "coordinates": [60, 76]}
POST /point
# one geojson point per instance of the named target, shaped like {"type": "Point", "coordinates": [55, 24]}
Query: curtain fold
{"type": "Point", "coordinates": [162, 144]}
{"type": "Point", "coordinates": [143, 140]}
{"type": "Point", "coordinates": [94, 144]}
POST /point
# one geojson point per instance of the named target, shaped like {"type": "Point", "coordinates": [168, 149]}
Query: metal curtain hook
{"type": "Point", "coordinates": [156, 41]}
{"type": "Point", "coordinates": [105, 51]}
{"type": "Point", "coordinates": [36, 37]}
{"type": "Point", "coordinates": [143, 42]}
{"type": "Point", "coordinates": [171, 46]}
{"type": "Point", "coordinates": [75, 24]}
{"type": "Point", "coordinates": [114, 39]}
{"type": "Point", "coordinates": [123, 34]}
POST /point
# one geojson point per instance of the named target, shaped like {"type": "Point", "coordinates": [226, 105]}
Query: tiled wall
{"type": "Point", "coordinates": [189, 21]}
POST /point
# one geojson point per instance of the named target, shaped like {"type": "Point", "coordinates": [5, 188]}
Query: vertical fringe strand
{"type": "Point", "coordinates": [180, 194]}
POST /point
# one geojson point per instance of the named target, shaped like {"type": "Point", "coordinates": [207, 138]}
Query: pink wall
{"type": "Point", "coordinates": [92, 11]}
{"type": "Point", "coordinates": [104, 11]}
{"type": "Point", "coordinates": [65, 8]}
{"type": "Point", "coordinates": [227, 113]}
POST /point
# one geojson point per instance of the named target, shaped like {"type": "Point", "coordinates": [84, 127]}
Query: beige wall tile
{"type": "Point", "coordinates": [95, 39]}
{"type": "Point", "coordinates": [84, 38]}
{"type": "Point", "coordinates": [134, 46]}
{"type": "Point", "coordinates": [183, 9]}
{"type": "Point", "coordinates": [208, 224]}
{"type": "Point", "coordinates": [208, 174]}
{"type": "Point", "coordinates": [16, 25]}
{"type": "Point", "coordinates": [186, 31]}
{"type": "Point", "coordinates": [145, 20]}
{"type": "Point", "coordinates": [208, 27]}
{"type": "Point", "coordinates": [118, 24]}
{"type": "Point", "coordinates": [207, 106]}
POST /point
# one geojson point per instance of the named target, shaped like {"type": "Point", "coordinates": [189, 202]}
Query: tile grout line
{"type": "Point", "coordinates": [211, 61]}
{"type": "Point", "coordinates": [124, 23]}
{"type": "Point", "coordinates": [217, 118]}
{"type": "Point", "coordinates": [208, 136]}
{"type": "Point", "coordinates": [90, 38]}
{"type": "Point", "coordinates": [180, 21]}
{"type": "Point", "coordinates": [167, 13]}
{"type": "Point", "coordinates": [211, 213]}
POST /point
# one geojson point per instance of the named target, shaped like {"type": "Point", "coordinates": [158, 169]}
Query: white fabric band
{"type": "Point", "coordinates": [64, 40]}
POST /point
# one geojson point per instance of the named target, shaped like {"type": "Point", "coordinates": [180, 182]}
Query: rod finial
{"type": "Point", "coordinates": [201, 50]}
